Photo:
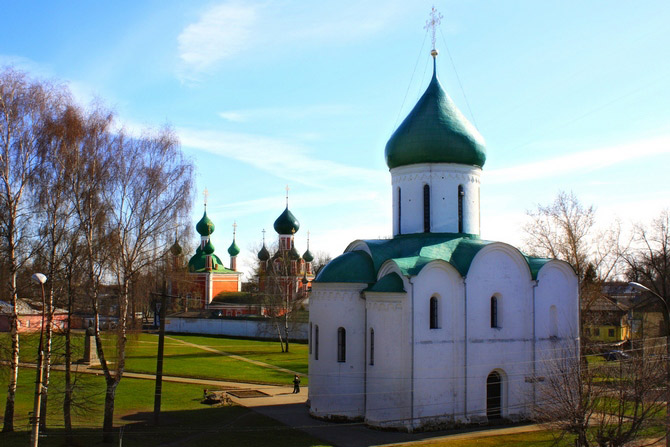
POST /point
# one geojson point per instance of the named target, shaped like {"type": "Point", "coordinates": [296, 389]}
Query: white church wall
{"type": "Point", "coordinates": [443, 179]}
{"type": "Point", "coordinates": [556, 303]}
{"type": "Point", "coordinates": [438, 353]}
{"type": "Point", "coordinates": [388, 379]}
{"type": "Point", "coordinates": [500, 271]}
{"type": "Point", "coordinates": [337, 389]}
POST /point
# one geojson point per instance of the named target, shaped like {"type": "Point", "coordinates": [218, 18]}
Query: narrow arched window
{"type": "Point", "coordinates": [316, 342]}
{"type": "Point", "coordinates": [372, 346]}
{"type": "Point", "coordinates": [341, 345]}
{"type": "Point", "coordinates": [494, 312]}
{"type": "Point", "coordinates": [461, 195]}
{"type": "Point", "coordinates": [426, 209]}
{"type": "Point", "coordinates": [309, 338]}
{"type": "Point", "coordinates": [399, 210]}
{"type": "Point", "coordinates": [433, 313]}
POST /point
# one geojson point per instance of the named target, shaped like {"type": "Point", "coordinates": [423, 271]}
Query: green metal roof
{"type": "Point", "coordinates": [411, 252]}
{"type": "Point", "coordinates": [209, 247]}
{"type": "Point", "coordinates": [286, 223]}
{"type": "Point", "coordinates": [354, 266]}
{"type": "Point", "coordinates": [391, 283]}
{"type": "Point", "coordinates": [264, 254]}
{"type": "Point", "coordinates": [198, 262]}
{"type": "Point", "coordinates": [233, 250]}
{"type": "Point", "coordinates": [205, 226]}
{"type": "Point", "coordinates": [435, 131]}
{"type": "Point", "coordinates": [308, 256]}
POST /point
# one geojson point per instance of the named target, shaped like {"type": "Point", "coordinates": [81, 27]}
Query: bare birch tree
{"type": "Point", "coordinates": [22, 104]}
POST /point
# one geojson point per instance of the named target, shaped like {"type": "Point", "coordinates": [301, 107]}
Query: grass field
{"type": "Point", "coordinates": [188, 361]}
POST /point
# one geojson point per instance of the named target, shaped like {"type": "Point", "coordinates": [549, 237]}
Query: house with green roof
{"type": "Point", "coordinates": [436, 325]}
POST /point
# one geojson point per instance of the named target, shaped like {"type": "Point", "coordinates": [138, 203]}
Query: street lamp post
{"type": "Point", "coordinates": [34, 435]}
{"type": "Point", "coordinates": [666, 320]}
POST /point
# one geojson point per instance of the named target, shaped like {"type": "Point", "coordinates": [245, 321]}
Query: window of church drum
{"type": "Point", "coordinates": [341, 345]}
{"type": "Point", "coordinates": [426, 209]}
{"type": "Point", "coordinates": [461, 195]}
{"type": "Point", "coordinates": [433, 313]}
{"type": "Point", "coordinates": [372, 346]}
{"type": "Point", "coordinates": [316, 342]}
{"type": "Point", "coordinates": [495, 323]}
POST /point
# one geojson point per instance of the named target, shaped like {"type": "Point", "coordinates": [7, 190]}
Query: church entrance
{"type": "Point", "coordinates": [494, 396]}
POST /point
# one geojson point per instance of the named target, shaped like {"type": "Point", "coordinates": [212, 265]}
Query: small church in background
{"type": "Point", "coordinates": [207, 275]}
{"type": "Point", "coordinates": [286, 272]}
{"type": "Point", "coordinates": [436, 325]}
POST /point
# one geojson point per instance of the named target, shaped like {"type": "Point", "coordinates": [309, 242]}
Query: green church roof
{"type": "Point", "coordinates": [286, 223]}
{"type": "Point", "coordinates": [354, 266]}
{"type": "Point", "coordinates": [198, 262]}
{"type": "Point", "coordinates": [391, 283]}
{"type": "Point", "coordinates": [435, 131]}
{"type": "Point", "coordinates": [205, 226]}
{"type": "Point", "coordinates": [410, 252]}
{"type": "Point", "coordinates": [308, 256]}
{"type": "Point", "coordinates": [233, 250]}
{"type": "Point", "coordinates": [263, 254]}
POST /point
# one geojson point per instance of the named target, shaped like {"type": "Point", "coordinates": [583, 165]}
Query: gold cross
{"type": "Point", "coordinates": [205, 194]}
{"type": "Point", "coordinates": [234, 229]}
{"type": "Point", "coordinates": [287, 188]}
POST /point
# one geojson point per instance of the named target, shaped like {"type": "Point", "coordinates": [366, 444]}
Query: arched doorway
{"type": "Point", "coordinates": [494, 396]}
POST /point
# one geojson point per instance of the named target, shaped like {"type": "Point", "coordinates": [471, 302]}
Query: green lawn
{"type": "Point", "coordinates": [190, 422]}
{"type": "Point", "coordinates": [543, 438]}
{"type": "Point", "coordinates": [188, 361]}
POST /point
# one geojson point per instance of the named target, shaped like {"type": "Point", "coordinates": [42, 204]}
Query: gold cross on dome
{"type": "Point", "coordinates": [205, 194]}
{"type": "Point", "coordinates": [263, 236]}
{"type": "Point", "coordinates": [234, 229]}
{"type": "Point", "coordinates": [287, 189]}
{"type": "Point", "coordinates": [432, 23]}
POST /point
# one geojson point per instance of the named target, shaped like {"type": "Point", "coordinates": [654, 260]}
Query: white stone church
{"type": "Point", "coordinates": [435, 326]}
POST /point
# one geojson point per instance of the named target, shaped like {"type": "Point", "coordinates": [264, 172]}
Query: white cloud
{"type": "Point", "coordinates": [284, 159]}
{"type": "Point", "coordinates": [222, 31]}
{"type": "Point", "coordinates": [286, 113]}
{"type": "Point", "coordinates": [586, 161]}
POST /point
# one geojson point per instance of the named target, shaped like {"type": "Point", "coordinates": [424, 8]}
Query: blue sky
{"type": "Point", "coordinates": [569, 95]}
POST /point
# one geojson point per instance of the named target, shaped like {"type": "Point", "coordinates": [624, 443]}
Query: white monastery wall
{"type": "Point", "coordinates": [439, 353]}
{"type": "Point", "coordinates": [233, 327]}
{"type": "Point", "coordinates": [499, 270]}
{"type": "Point", "coordinates": [443, 179]}
{"type": "Point", "coordinates": [388, 380]}
{"type": "Point", "coordinates": [337, 389]}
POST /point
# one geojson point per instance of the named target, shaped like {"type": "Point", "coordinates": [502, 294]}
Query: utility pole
{"type": "Point", "coordinates": [35, 433]}
{"type": "Point", "coordinates": [159, 358]}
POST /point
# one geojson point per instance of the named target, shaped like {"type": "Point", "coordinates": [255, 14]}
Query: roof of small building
{"type": "Point", "coordinates": [435, 131]}
{"type": "Point", "coordinates": [411, 252]}
{"type": "Point", "coordinates": [198, 263]}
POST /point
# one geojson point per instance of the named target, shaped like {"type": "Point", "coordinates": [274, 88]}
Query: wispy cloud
{"type": "Point", "coordinates": [286, 113]}
{"type": "Point", "coordinates": [285, 159]}
{"type": "Point", "coordinates": [221, 31]}
{"type": "Point", "coordinates": [230, 28]}
{"type": "Point", "coordinates": [585, 161]}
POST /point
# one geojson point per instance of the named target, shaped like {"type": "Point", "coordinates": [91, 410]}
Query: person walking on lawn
{"type": "Point", "coordinates": [296, 384]}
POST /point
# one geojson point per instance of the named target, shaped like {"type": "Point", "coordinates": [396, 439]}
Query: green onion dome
{"type": "Point", "coordinates": [286, 223]}
{"type": "Point", "coordinates": [435, 131]}
{"type": "Point", "coordinates": [205, 226]}
{"type": "Point", "coordinates": [263, 254]}
{"type": "Point", "coordinates": [307, 256]}
{"type": "Point", "coordinates": [209, 248]}
{"type": "Point", "coordinates": [293, 254]}
{"type": "Point", "coordinates": [176, 249]}
{"type": "Point", "coordinates": [233, 250]}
